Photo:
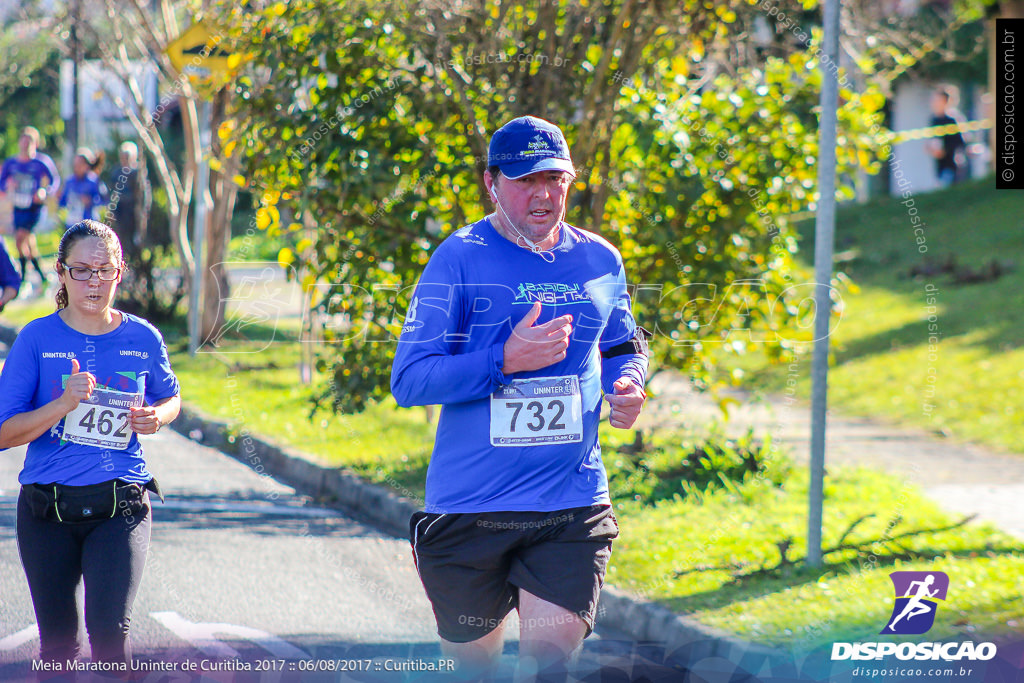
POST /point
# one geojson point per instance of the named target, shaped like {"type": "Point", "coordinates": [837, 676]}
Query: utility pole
{"type": "Point", "coordinates": [824, 237]}
{"type": "Point", "coordinates": [75, 124]}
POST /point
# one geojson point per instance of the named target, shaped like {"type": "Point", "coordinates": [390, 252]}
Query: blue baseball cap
{"type": "Point", "coordinates": [528, 145]}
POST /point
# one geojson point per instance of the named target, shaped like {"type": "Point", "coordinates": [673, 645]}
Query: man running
{"type": "Point", "coordinates": [519, 323]}
{"type": "Point", "coordinates": [29, 177]}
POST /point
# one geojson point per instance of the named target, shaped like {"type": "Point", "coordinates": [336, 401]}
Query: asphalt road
{"type": "Point", "coordinates": [244, 569]}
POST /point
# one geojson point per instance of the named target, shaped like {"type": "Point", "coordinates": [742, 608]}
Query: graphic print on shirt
{"type": "Point", "coordinates": [550, 293]}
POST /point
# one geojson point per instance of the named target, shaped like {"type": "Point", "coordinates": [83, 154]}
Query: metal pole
{"type": "Point", "coordinates": [199, 231]}
{"type": "Point", "coordinates": [824, 236]}
{"type": "Point", "coordinates": [76, 58]}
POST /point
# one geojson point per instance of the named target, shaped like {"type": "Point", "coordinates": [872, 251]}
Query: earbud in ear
{"type": "Point", "coordinates": [493, 196]}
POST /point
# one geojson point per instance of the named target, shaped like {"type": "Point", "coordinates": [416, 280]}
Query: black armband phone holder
{"type": "Point", "coordinates": [636, 345]}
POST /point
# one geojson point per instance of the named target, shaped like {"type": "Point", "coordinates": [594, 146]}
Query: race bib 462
{"type": "Point", "coordinates": [103, 420]}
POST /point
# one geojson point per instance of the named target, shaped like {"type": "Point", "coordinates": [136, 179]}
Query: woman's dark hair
{"type": "Point", "coordinates": [94, 160]}
{"type": "Point", "coordinates": [79, 231]}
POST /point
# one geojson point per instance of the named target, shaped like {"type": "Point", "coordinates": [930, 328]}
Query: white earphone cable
{"type": "Point", "coordinates": [545, 254]}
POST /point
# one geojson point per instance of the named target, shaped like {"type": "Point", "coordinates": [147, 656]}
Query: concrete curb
{"type": "Point", "coordinates": [685, 639]}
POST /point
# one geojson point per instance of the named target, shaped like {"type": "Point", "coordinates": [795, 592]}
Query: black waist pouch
{"type": "Point", "coordinates": [80, 504]}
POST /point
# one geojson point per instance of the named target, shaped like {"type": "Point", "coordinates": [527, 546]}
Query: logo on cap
{"type": "Point", "coordinates": [538, 144]}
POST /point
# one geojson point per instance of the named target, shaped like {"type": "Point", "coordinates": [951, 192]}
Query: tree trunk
{"type": "Point", "coordinates": [218, 233]}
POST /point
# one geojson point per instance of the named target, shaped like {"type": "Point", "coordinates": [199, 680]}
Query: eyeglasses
{"type": "Point", "coordinates": [104, 274]}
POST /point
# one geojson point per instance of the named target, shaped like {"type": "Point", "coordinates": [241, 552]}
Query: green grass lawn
{"type": "Point", "coordinates": [850, 597]}
{"type": "Point", "coordinates": [883, 366]}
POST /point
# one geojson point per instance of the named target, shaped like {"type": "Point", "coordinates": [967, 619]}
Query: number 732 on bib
{"type": "Point", "coordinates": [537, 412]}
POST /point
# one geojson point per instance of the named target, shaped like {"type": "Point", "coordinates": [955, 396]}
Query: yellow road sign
{"type": "Point", "coordinates": [198, 54]}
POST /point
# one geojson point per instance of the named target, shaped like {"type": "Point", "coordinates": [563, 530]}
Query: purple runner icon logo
{"type": "Point", "coordinates": [917, 596]}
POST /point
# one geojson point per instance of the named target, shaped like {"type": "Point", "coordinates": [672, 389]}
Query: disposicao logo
{"type": "Point", "coordinates": [917, 596]}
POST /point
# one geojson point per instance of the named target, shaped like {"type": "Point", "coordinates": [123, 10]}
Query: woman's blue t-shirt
{"type": "Point", "coordinates": [130, 364]}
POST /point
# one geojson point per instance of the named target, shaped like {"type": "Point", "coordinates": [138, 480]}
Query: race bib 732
{"type": "Point", "coordinates": [537, 412]}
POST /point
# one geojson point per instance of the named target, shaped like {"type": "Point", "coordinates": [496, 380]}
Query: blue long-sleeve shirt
{"type": "Point", "coordinates": [9, 276]}
{"type": "Point", "coordinates": [503, 445]}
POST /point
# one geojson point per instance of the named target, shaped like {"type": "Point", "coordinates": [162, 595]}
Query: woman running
{"type": "Point", "coordinates": [84, 192]}
{"type": "Point", "coordinates": [78, 387]}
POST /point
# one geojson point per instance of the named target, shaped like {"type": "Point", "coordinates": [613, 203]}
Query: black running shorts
{"type": "Point", "coordinates": [472, 565]}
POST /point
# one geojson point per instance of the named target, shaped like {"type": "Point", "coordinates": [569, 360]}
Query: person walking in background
{"type": "Point", "coordinates": [948, 150]}
{"type": "Point", "coordinates": [78, 387]}
{"type": "Point", "coordinates": [129, 192]}
{"type": "Point", "coordinates": [10, 281]}
{"type": "Point", "coordinates": [83, 191]}
{"type": "Point", "coordinates": [30, 177]}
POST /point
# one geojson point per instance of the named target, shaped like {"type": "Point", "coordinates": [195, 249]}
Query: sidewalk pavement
{"type": "Point", "coordinates": [962, 478]}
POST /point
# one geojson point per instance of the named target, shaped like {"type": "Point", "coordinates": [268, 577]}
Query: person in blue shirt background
{"type": "Point", "coordinates": [519, 326]}
{"type": "Point", "coordinates": [78, 387]}
{"type": "Point", "coordinates": [29, 177]}
{"type": "Point", "coordinates": [10, 281]}
{"type": "Point", "coordinates": [84, 192]}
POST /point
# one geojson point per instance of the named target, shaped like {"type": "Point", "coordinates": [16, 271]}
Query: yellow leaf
{"type": "Point", "coordinates": [303, 245]}
{"type": "Point", "coordinates": [262, 219]}
{"type": "Point", "coordinates": [285, 257]}
{"type": "Point", "coordinates": [215, 164]}
{"type": "Point", "coordinates": [275, 215]}
{"type": "Point", "coordinates": [308, 281]}
{"type": "Point", "coordinates": [873, 101]}
{"type": "Point", "coordinates": [239, 180]}
{"type": "Point", "coordinates": [225, 129]}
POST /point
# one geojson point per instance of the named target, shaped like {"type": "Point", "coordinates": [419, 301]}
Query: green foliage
{"type": "Point", "coordinates": [373, 121]}
{"type": "Point", "coordinates": [677, 466]}
{"type": "Point", "coordinates": [28, 85]}
{"type": "Point", "coordinates": [151, 287]}
{"type": "Point", "coordinates": [722, 170]}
